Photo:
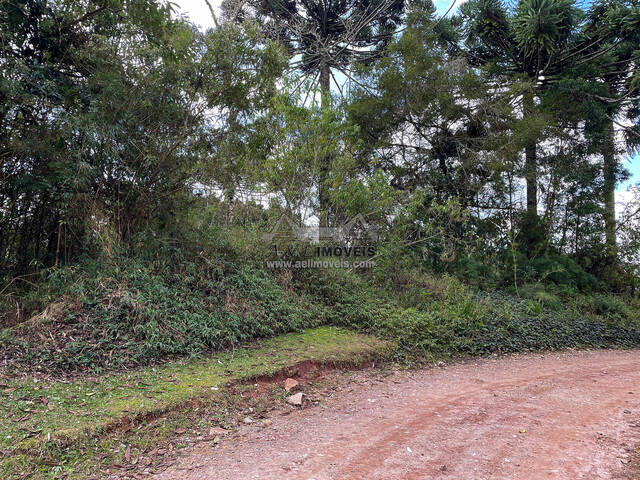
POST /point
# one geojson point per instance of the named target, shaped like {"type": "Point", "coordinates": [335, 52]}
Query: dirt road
{"type": "Point", "coordinates": [552, 416]}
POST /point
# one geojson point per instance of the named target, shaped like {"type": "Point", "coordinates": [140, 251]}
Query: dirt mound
{"type": "Point", "coordinates": [58, 341]}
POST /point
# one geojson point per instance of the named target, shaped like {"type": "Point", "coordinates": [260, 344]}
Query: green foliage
{"type": "Point", "coordinates": [431, 317]}
{"type": "Point", "coordinates": [128, 310]}
{"type": "Point", "coordinates": [544, 26]}
{"type": "Point", "coordinates": [541, 294]}
{"type": "Point", "coordinates": [549, 268]}
{"type": "Point", "coordinates": [607, 306]}
{"type": "Point", "coordinates": [456, 321]}
{"type": "Point", "coordinates": [104, 122]}
{"type": "Point", "coordinates": [175, 299]}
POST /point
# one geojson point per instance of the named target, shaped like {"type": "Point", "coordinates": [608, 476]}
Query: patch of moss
{"type": "Point", "coordinates": [51, 426]}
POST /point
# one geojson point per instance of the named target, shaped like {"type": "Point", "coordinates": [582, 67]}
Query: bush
{"type": "Point", "coordinates": [470, 326]}
{"type": "Point", "coordinates": [184, 298]}
{"type": "Point", "coordinates": [549, 269]}
{"type": "Point", "coordinates": [541, 294]}
{"type": "Point", "coordinates": [608, 306]}
{"type": "Point", "coordinates": [130, 310]}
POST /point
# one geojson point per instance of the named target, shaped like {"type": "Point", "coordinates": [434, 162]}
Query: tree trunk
{"type": "Point", "coordinates": [323, 194]}
{"type": "Point", "coordinates": [325, 86]}
{"type": "Point", "coordinates": [609, 168]}
{"type": "Point", "coordinates": [531, 165]}
{"type": "Point", "coordinates": [533, 235]}
{"type": "Point", "coordinates": [230, 195]}
{"type": "Point", "coordinates": [58, 244]}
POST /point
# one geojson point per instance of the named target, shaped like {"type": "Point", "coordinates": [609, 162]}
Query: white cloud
{"type": "Point", "coordinates": [624, 198]}
{"type": "Point", "coordinates": [448, 5]}
{"type": "Point", "coordinates": [197, 11]}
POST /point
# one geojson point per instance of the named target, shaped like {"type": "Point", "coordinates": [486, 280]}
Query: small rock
{"type": "Point", "coordinates": [216, 431]}
{"type": "Point", "coordinates": [627, 412]}
{"type": "Point", "coordinates": [290, 383]}
{"type": "Point", "coordinates": [295, 399]}
{"type": "Point", "coordinates": [266, 422]}
{"type": "Point", "coordinates": [248, 420]}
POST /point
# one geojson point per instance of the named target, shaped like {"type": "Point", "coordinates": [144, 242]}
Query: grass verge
{"type": "Point", "coordinates": [65, 428]}
{"type": "Point", "coordinates": [634, 469]}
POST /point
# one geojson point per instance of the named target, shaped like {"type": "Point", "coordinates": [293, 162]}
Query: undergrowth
{"type": "Point", "coordinates": [166, 300]}
{"type": "Point", "coordinates": [170, 301]}
{"type": "Point", "coordinates": [431, 318]}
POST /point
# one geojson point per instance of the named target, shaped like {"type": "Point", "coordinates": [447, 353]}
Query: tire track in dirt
{"type": "Point", "coordinates": [540, 416]}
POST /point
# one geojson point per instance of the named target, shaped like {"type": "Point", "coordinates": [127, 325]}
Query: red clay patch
{"type": "Point", "coordinates": [552, 416]}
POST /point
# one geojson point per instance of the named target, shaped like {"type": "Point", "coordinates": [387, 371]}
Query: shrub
{"type": "Point", "coordinates": [608, 306]}
{"type": "Point", "coordinates": [541, 294]}
{"type": "Point", "coordinates": [184, 298]}
{"type": "Point", "coordinates": [132, 310]}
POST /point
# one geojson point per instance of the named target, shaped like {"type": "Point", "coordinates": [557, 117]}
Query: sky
{"type": "Point", "coordinates": [198, 12]}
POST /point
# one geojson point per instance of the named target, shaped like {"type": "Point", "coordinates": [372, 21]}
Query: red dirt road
{"type": "Point", "coordinates": [552, 416]}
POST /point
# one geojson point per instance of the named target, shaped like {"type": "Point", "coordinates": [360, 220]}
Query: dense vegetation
{"type": "Point", "coordinates": [144, 159]}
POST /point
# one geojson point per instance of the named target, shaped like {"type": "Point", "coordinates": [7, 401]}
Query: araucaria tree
{"type": "Point", "coordinates": [532, 41]}
{"type": "Point", "coordinates": [611, 109]}
{"type": "Point", "coordinates": [328, 36]}
{"type": "Point", "coordinates": [327, 39]}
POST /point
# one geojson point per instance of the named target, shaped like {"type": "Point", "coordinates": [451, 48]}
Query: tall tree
{"type": "Point", "coordinates": [324, 37]}
{"type": "Point", "coordinates": [429, 116]}
{"type": "Point", "coordinates": [616, 26]}
{"type": "Point", "coordinates": [534, 41]}
{"type": "Point", "coordinates": [105, 110]}
{"type": "Point", "coordinates": [63, 78]}
{"type": "Point", "coordinates": [600, 94]}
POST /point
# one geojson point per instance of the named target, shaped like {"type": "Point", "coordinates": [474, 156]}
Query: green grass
{"type": "Point", "coordinates": [77, 414]}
